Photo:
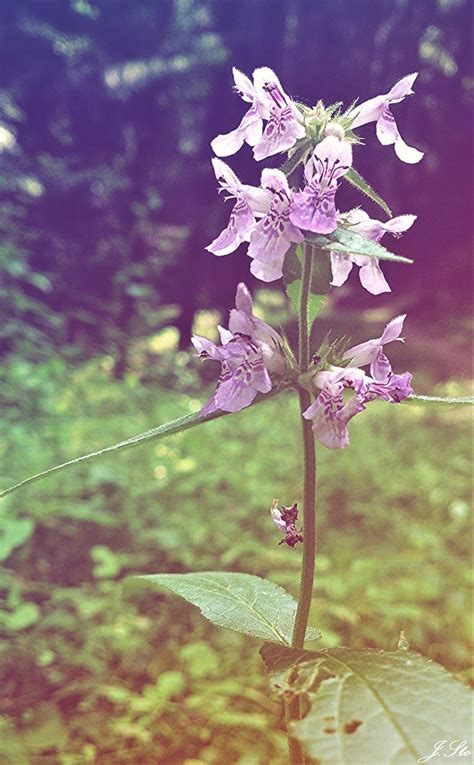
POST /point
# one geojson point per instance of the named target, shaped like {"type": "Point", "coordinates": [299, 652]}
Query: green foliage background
{"type": "Point", "coordinates": [91, 674]}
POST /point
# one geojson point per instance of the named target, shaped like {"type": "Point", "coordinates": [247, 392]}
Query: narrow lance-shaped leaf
{"type": "Point", "coordinates": [240, 602]}
{"type": "Point", "coordinates": [298, 156]}
{"type": "Point", "coordinates": [355, 179]}
{"type": "Point", "coordinates": [368, 706]}
{"type": "Point", "coordinates": [155, 434]}
{"type": "Point", "coordinates": [441, 399]}
{"type": "Point", "coordinates": [351, 243]}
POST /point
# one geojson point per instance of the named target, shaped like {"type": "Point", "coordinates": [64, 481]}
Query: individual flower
{"type": "Point", "coordinates": [371, 352]}
{"type": "Point", "coordinates": [378, 110]}
{"type": "Point", "coordinates": [314, 208]}
{"type": "Point", "coordinates": [246, 357]}
{"type": "Point", "coordinates": [268, 102]}
{"type": "Point", "coordinates": [284, 126]}
{"type": "Point", "coordinates": [370, 274]}
{"type": "Point", "coordinates": [250, 201]}
{"type": "Point", "coordinates": [243, 322]}
{"type": "Point", "coordinates": [285, 519]}
{"type": "Point", "coordinates": [331, 411]}
{"type": "Point", "coordinates": [274, 234]}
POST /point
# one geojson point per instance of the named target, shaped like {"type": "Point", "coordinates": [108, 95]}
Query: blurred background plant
{"type": "Point", "coordinates": [108, 199]}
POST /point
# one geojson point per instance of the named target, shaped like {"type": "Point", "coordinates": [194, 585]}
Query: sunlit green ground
{"type": "Point", "coordinates": [89, 675]}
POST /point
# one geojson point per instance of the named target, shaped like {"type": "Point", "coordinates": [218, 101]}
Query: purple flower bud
{"type": "Point", "coordinates": [285, 519]}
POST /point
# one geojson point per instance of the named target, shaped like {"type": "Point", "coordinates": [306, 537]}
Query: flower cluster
{"type": "Point", "coordinates": [330, 412]}
{"type": "Point", "coordinates": [274, 215]}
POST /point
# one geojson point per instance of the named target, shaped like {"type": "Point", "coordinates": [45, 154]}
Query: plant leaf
{"type": "Point", "coordinates": [155, 434]}
{"type": "Point", "coordinates": [240, 602]}
{"type": "Point", "coordinates": [321, 272]}
{"type": "Point", "coordinates": [368, 706]}
{"type": "Point", "coordinates": [361, 184]}
{"type": "Point", "coordinates": [351, 243]}
{"type": "Point", "coordinates": [442, 399]}
{"type": "Point", "coordinates": [315, 302]}
{"type": "Point", "coordinates": [299, 153]}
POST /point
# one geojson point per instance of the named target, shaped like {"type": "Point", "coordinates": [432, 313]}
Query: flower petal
{"type": "Point", "coordinates": [407, 153]}
{"type": "Point", "coordinates": [224, 335]}
{"type": "Point", "coordinates": [249, 130]}
{"type": "Point", "coordinates": [368, 111]}
{"type": "Point", "coordinates": [228, 143]}
{"type": "Point", "coordinates": [280, 134]}
{"type": "Point", "coordinates": [372, 278]}
{"type": "Point", "coordinates": [332, 157]}
{"type": "Point", "coordinates": [243, 85]}
{"type": "Point", "coordinates": [393, 330]}
{"type": "Point", "coordinates": [402, 88]}
{"type": "Point", "coordinates": [268, 88]}
{"type": "Point", "coordinates": [330, 416]}
{"type": "Point", "coordinates": [315, 210]}
{"type": "Point", "coordinates": [206, 348]}
{"type": "Point", "coordinates": [341, 266]}
{"type": "Point", "coordinates": [386, 127]}
{"type": "Point", "coordinates": [380, 368]}
{"type": "Point", "coordinates": [238, 230]}
{"type": "Point", "coordinates": [267, 272]}
{"type": "Point", "coordinates": [399, 224]}
{"type": "Point", "coordinates": [243, 299]}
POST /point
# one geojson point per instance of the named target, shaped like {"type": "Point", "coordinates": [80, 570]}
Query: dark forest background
{"type": "Point", "coordinates": [107, 110]}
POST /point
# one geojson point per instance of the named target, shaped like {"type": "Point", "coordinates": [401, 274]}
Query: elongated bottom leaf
{"type": "Point", "coordinates": [240, 602]}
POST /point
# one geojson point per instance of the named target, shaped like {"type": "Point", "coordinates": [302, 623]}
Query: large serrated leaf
{"type": "Point", "coordinates": [355, 178]}
{"type": "Point", "coordinates": [240, 602]}
{"type": "Point", "coordinates": [368, 706]}
{"type": "Point", "coordinates": [351, 243]}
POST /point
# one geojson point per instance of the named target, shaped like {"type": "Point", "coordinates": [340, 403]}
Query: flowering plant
{"type": "Point", "coordinates": [341, 705]}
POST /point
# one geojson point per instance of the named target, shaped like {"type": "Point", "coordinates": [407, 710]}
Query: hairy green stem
{"type": "Point", "coordinates": [309, 452]}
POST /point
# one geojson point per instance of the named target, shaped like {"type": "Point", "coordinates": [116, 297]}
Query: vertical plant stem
{"type": "Point", "coordinates": [293, 710]}
{"type": "Point", "coordinates": [309, 452]}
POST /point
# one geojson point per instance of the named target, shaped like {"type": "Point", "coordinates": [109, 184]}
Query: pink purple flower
{"type": "Point", "coordinates": [285, 519]}
{"type": "Point", "coordinates": [370, 274]}
{"type": "Point", "coordinates": [250, 202]}
{"type": "Point", "coordinates": [331, 411]}
{"type": "Point", "coordinates": [378, 110]}
{"type": "Point", "coordinates": [274, 234]}
{"type": "Point", "coordinates": [371, 352]}
{"type": "Point", "coordinates": [268, 101]}
{"type": "Point", "coordinates": [314, 208]}
{"type": "Point", "coordinates": [249, 350]}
